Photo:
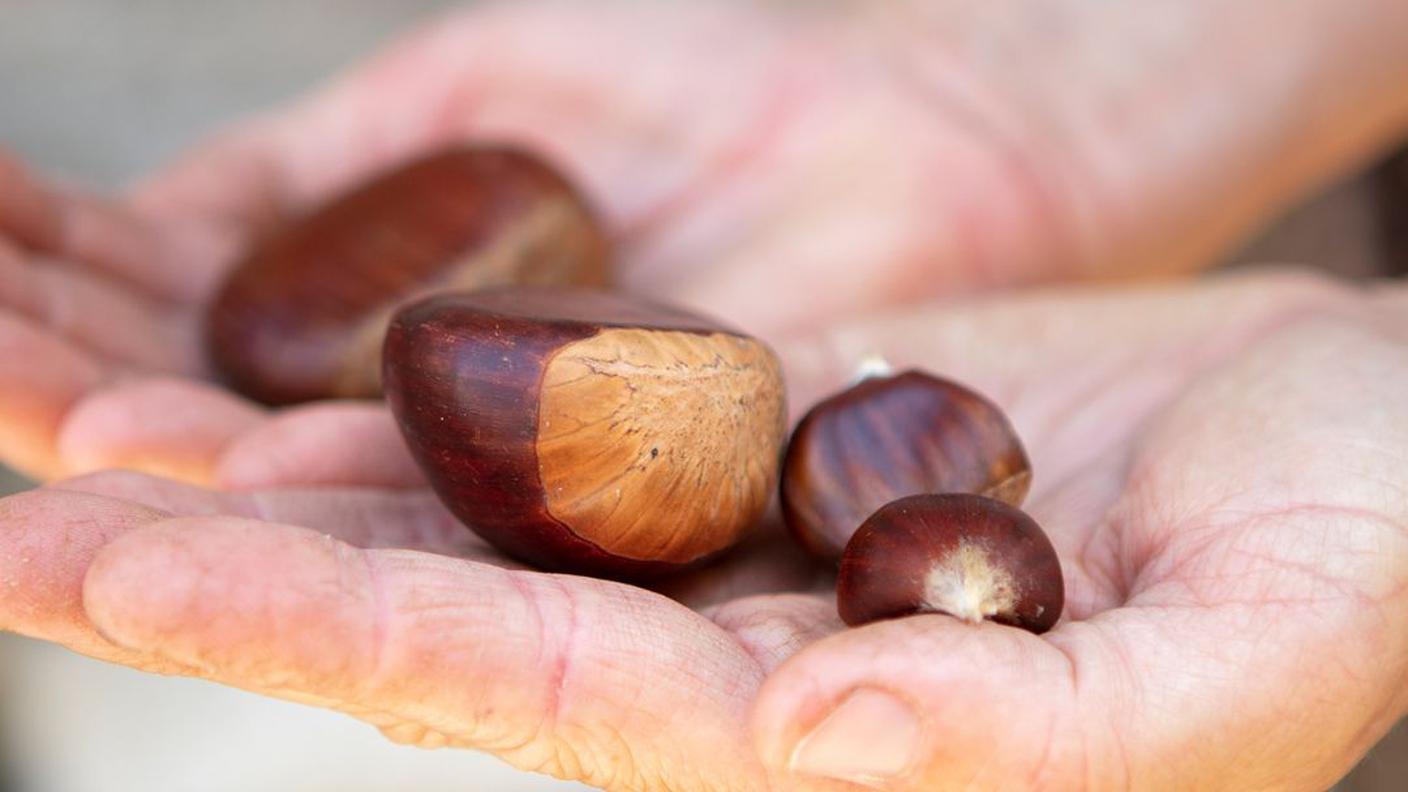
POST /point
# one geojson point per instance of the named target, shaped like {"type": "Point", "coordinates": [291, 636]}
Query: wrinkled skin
{"type": "Point", "coordinates": [1220, 465]}
{"type": "Point", "coordinates": [1219, 468]}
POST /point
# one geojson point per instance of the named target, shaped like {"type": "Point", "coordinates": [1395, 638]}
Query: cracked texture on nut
{"type": "Point", "coordinates": [633, 422]}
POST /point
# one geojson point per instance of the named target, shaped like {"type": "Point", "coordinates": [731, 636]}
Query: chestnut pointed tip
{"type": "Point", "coordinates": [872, 366]}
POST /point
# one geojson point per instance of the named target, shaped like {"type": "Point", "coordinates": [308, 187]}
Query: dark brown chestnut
{"type": "Point", "coordinates": [584, 431]}
{"type": "Point", "coordinates": [965, 555]}
{"type": "Point", "coordinates": [303, 315]}
{"type": "Point", "coordinates": [890, 436]}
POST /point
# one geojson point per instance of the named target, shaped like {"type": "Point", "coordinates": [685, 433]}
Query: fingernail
{"type": "Point", "coordinates": [870, 738]}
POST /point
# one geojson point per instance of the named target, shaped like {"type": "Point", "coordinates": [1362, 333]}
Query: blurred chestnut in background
{"type": "Point", "coordinates": [303, 315]}
{"type": "Point", "coordinates": [584, 431]}
{"type": "Point", "coordinates": [890, 436]}
{"type": "Point", "coordinates": [965, 555]}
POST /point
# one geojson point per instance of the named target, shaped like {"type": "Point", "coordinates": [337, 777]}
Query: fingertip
{"type": "Point", "coordinates": [119, 584]}
{"type": "Point", "coordinates": [50, 537]}
{"type": "Point", "coordinates": [196, 589]}
{"type": "Point", "coordinates": [334, 443]}
{"type": "Point", "coordinates": [169, 427]}
{"type": "Point", "coordinates": [34, 398]}
{"type": "Point", "coordinates": [170, 496]}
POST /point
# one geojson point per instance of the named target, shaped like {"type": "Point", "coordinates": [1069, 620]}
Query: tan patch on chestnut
{"type": "Point", "coordinates": [634, 423]}
{"type": "Point", "coordinates": [969, 584]}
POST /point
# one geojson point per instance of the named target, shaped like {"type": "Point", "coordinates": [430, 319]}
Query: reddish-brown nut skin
{"type": "Point", "coordinates": [888, 437]}
{"type": "Point", "coordinates": [302, 316]}
{"type": "Point", "coordinates": [505, 400]}
{"type": "Point", "coordinates": [966, 555]}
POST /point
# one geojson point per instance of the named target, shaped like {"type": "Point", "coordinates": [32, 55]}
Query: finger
{"type": "Point", "coordinates": [28, 211]}
{"type": "Point", "coordinates": [361, 517]}
{"type": "Point", "coordinates": [15, 293]}
{"type": "Point", "coordinates": [41, 377]}
{"type": "Point", "coordinates": [69, 224]}
{"type": "Point", "coordinates": [50, 538]}
{"type": "Point", "coordinates": [99, 314]}
{"type": "Point", "coordinates": [344, 444]}
{"type": "Point", "coordinates": [199, 433]}
{"type": "Point", "coordinates": [110, 238]}
{"type": "Point", "coordinates": [537, 668]}
{"type": "Point", "coordinates": [169, 427]}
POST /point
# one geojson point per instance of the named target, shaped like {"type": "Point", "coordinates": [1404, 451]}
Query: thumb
{"type": "Point", "coordinates": [926, 703]}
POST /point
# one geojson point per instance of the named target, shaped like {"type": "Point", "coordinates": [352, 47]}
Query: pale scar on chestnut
{"type": "Point", "coordinates": [970, 584]}
{"type": "Point", "coordinates": [965, 555]}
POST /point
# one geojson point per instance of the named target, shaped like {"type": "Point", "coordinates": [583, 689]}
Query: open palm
{"type": "Point", "coordinates": [1218, 466]}
{"type": "Point", "coordinates": [773, 165]}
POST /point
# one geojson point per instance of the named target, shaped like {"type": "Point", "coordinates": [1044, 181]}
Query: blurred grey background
{"type": "Point", "coordinates": [101, 92]}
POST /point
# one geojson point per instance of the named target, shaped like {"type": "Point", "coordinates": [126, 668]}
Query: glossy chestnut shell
{"type": "Point", "coordinates": [891, 436]}
{"type": "Point", "coordinates": [303, 315]}
{"type": "Point", "coordinates": [965, 555]}
{"type": "Point", "coordinates": [585, 431]}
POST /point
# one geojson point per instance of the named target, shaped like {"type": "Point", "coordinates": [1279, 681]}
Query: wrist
{"type": "Point", "coordinates": [1169, 134]}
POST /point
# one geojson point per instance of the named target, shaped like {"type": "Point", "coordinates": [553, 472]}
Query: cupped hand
{"type": "Point", "coordinates": [775, 164]}
{"type": "Point", "coordinates": [1219, 467]}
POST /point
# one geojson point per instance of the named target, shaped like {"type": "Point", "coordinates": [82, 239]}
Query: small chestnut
{"type": "Point", "coordinates": [965, 555]}
{"type": "Point", "coordinates": [890, 436]}
{"type": "Point", "coordinates": [302, 316]}
{"type": "Point", "coordinates": [585, 431]}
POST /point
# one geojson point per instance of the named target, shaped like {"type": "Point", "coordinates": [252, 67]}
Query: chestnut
{"type": "Point", "coordinates": [585, 431]}
{"type": "Point", "coordinates": [965, 555]}
{"type": "Point", "coordinates": [890, 436]}
{"type": "Point", "coordinates": [302, 316]}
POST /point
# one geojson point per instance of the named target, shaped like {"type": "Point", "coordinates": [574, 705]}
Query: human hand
{"type": "Point", "coordinates": [849, 157]}
{"type": "Point", "coordinates": [1219, 467]}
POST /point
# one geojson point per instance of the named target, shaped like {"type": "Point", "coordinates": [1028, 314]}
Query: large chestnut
{"type": "Point", "coordinates": [302, 316]}
{"type": "Point", "coordinates": [890, 436]}
{"type": "Point", "coordinates": [584, 431]}
{"type": "Point", "coordinates": [965, 555]}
